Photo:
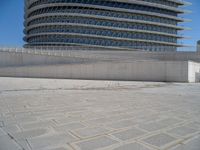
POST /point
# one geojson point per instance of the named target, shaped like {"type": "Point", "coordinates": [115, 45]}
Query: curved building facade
{"type": "Point", "coordinates": [198, 46]}
{"type": "Point", "coordinates": [120, 24]}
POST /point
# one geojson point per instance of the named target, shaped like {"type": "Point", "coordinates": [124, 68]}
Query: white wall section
{"type": "Point", "coordinates": [95, 65]}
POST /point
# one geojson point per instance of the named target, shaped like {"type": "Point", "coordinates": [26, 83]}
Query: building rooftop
{"type": "Point", "coordinates": [49, 114]}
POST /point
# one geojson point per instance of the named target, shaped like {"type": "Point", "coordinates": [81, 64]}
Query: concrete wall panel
{"type": "Point", "coordinates": [193, 72]}
{"type": "Point", "coordinates": [99, 66]}
{"type": "Point", "coordinates": [136, 70]}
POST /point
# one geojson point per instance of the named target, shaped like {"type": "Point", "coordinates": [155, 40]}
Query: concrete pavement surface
{"type": "Point", "coordinates": [51, 114]}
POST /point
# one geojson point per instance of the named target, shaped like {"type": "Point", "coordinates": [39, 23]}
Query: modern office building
{"type": "Point", "coordinates": [120, 24]}
{"type": "Point", "coordinates": [198, 46]}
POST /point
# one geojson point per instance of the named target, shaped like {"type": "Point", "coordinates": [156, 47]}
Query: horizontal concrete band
{"type": "Point", "coordinates": [157, 5]}
{"type": "Point", "coordinates": [93, 47]}
{"type": "Point", "coordinates": [101, 37]}
{"type": "Point", "coordinates": [59, 44]}
{"type": "Point", "coordinates": [180, 2]}
{"type": "Point", "coordinates": [29, 11]}
{"type": "Point", "coordinates": [99, 27]}
{"type": "Point", "coordinates": [103, 18]}
{"type": "Point", "coordinates": [137, 71]}
{"type": "Point", "coordinates": [141, 13]}
{"type": "Point", "coordinates": [143, 3]}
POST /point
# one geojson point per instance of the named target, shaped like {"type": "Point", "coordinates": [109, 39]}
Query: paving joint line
{"type": "Point", "coordinates": [2, 124]}
{"type": "Point", "coordinates": [28, 144]}
{"type": "Point", "coordinates": [12, 138]}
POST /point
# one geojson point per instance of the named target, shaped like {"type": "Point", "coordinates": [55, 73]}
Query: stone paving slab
{"type": "Point", "coordinates": [90, 132]}
{"type": "Point", "coordinates": [2, 132]}
{"type": "Point", "coordinates": [183, 131]}
{"type": "Point", "coordinates": [132, 146]}
{"type": "Point", "coordinates": [160, 140]}
{"type": "Point", "coordinates": [6, 143]}
{"type": "Point", "coordinates": [152, 126]}
{"type": "Point", "coordinates": [52, 140]}
{"type": "Point", "coordinates": [24, 144]}
{"type": "Point", "coordinates": [70, 126]}
{"type": "Point", "coordinates": [95, 143]}
{"type": "Point", "coordinates": [29, 134]}
{"type": "Point", "coordinates": [129, 134]}
{"type": "Point", "coordinates": [1, 124]}
{"type": "Point", "coordinates": [36, 125]}
{"type": "Point", "coordinates": [11, 129]}
{"type": "Point", "coordinates": [50, 114]}
{"type": "Point", "coordinates": [192, 144]}
{"type": "Point", "coordinates": [194, 125]}
{"type": "Point", "coordinates": [122, 124]}
{"type": "Point", "coordinates": [59, 148]}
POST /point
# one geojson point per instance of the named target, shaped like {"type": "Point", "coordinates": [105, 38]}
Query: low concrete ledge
{"type": "Point", "coordinates": [98, 65]}
{"type": "Point", "coordinates": [160, 71]}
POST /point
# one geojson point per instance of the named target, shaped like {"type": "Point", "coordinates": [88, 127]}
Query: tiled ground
{"type": "Point", "coordinates": [42, 114]}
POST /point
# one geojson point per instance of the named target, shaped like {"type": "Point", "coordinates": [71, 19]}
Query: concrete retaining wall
{"type": "Point", "coordinates": [97, 65]}
{"type": "Point", "coordinates": [137, 70]}
{"type": "Point", "coordinates": [24, 59]}
{"type": "Point", "coordinates": [193, 72]}
{"type": "Point", "coordinates": [58, 57]}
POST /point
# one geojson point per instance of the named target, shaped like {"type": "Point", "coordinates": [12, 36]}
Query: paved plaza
{"type": "Point", "coordinates": [50, 114]}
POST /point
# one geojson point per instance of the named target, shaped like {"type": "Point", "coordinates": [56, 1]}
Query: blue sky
{"type": "Point", "coordinates": [11, 22]}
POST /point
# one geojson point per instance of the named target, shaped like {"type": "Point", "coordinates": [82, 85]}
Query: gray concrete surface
{"type": "Point", "coordinates": [101, 65]}
{"type": "Point", "coordinates": [160, 71]}
{"type": "Point", "coordinates": [49, 114]}
{"type": "Point", "coordinates": [98, 65]}
{"type": "Point", "coordinates": [26, 57]}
